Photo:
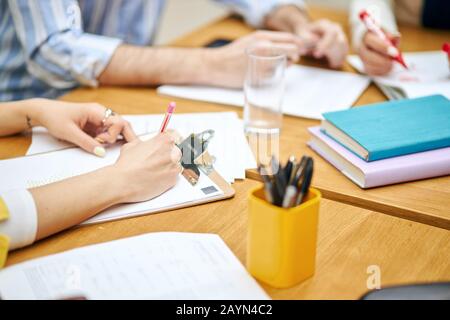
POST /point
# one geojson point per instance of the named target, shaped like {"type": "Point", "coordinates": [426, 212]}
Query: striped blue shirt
{"type": "Point", "coordinates": [48, 47]}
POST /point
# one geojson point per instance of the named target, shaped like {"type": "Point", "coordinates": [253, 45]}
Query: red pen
{"type": "Point", "coordinates": [372, 26]}
{"type": "Point", "coordinates": [446, 48]}
{"type": "Point", "coordinates": [169, 113]}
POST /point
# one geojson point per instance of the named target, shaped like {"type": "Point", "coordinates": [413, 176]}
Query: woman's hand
{"type": "Point", "coordinates": [143, 171]}
{"type": "Point", "coordinates": [80, 123]}
{"type": "Point", "coordinates": [148, 169]}
{"type": "Point", "coordinates": [376, 56]}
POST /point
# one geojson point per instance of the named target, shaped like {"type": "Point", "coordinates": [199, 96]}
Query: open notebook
{"type": "Point", "coordinates": [157, 266]}
{"type": "Point", "coordinates": [34, 171]}
{"type": "Point", "coordinates": [309, 92]}
{"type": "Point", "coordinates": [428, 74]}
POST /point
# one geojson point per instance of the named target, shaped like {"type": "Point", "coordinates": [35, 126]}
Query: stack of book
{"type": "Point", "coordinates": [387, 143]}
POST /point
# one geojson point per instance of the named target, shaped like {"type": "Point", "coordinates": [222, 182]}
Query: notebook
{"type": "Point", "coordinates": [428, 74]}
{"type": "Point", "coordinates": [412, 167]}
{"type": "Point", "coordinates": [42, 169]}
{"type": "Point", "coordinates": [392, 129]}
{"type": "Point", "coordinates": [157, 266]}
{"type": "Point", "coordinates": [305, 95]}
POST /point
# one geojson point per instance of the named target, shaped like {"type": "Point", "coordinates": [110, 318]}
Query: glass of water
{"type": "Point", "coordinates": [264, 89]}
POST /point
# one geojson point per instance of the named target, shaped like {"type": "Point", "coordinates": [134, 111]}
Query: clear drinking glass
{"type": "Point", "coordinates": [264, 90]}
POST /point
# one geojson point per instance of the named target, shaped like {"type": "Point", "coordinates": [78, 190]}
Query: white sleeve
{"type": "Point", "coordinates": [21, 227]}
{"type": "Point", "coordinates": [381, 10]}
{"type": "Point", "coordinates": [254, 11]}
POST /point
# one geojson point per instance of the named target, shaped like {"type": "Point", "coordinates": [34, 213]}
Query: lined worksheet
{"type": "Point", "coordinates": [153, 266]}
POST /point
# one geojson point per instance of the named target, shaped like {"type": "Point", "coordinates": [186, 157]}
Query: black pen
{"type": "Point", "coordinates": [268, 186]}
{"type": "Point", "coordinates": [292, 190]}
{"type": "Point", "coordinates": [306, 183]}
{"type": "Point", "coordinates": [280, 181]}
{"type": "Point", "coordinates": [289, 169]}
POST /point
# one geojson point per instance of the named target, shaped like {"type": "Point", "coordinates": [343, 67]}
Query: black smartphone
{"type": "Point", "coordinates": [217, 43]}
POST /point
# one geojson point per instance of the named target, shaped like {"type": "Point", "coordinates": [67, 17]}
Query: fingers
{"type": "Point", "coordinates": [162, 143]}
{"type": "Point", "coordinates": [278, 37]}
{"type": "Point", "coordinates": [128, 132]}
{"type": "Point", "coordinates": [116, 126]}
{"type": "Point", "coordinates": [376, 44]}
{"type": "Point", "coordinates": [327, 33]}
{"type": "Point", "coordinates": [83, 140]}
{"type": "Point", "coordinates": [290, 50]}
{"type": "Point", "coordinates": [309, 40]}
{"type": "Point", "coordinates": [95, 113]}
{"type": "Point", "coordinates": [175, 154]}
{"type": "Point", "coordinates": [333, 43]}
{"type": "Point", "coordinates": [375, 63]}
{"type": "Point", "coordinates": [291, 44]}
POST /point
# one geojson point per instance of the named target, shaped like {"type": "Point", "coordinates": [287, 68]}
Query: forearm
{"type": "Point", "coordinates": [152, 66]}
{"type": "Point", "coordinates": [288, 18]}
{"type": "Point", "coordinates": [67, 203]}
{"type": "Point", "coordinates": [16, 117]}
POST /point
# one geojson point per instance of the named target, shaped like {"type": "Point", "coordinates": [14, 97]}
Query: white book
{"type": "Point", "coordinates": [156, 266]}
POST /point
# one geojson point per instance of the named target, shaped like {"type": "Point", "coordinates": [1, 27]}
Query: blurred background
{"type": "Point", "coordinates": [177, 22]}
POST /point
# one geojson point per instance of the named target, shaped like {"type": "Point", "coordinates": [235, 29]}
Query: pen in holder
{"type": "Point", "coordinates": [281, 244]}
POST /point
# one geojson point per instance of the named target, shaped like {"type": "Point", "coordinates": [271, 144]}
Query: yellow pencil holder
{"type": "Point", "coordinates": [281, 244]}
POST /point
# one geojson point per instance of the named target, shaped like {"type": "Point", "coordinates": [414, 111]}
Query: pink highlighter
{"type": "Point", "coordinates": [170, 111]}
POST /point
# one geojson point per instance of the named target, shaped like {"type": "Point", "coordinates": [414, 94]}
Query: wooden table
{"type": "Point", "coordinates": [350, 239]}
{"type": "Point", "coordinates": [426, 201]}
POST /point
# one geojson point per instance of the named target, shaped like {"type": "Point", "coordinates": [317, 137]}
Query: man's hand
{"type": "Point", "coordinates": [322, 38]}
{"type": "Point", "coordinates": [228, 64]}
{"type": "Point", "coordinates": [325, 39]}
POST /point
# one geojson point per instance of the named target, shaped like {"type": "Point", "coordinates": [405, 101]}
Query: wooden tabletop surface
{"type": "Point", "coordinates": [426, 201]}
{"type": "Point", "coordinates": [351, 239]}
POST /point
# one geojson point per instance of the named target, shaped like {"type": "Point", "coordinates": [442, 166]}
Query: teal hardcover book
{"type": "Point", "coordinates": [392, 129]}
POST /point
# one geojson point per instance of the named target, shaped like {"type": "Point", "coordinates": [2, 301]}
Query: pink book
{"type": "Point", "coordinates": [417, 166]}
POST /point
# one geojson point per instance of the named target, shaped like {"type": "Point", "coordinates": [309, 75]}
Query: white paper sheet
{"type": "Point", "coordinates": [154, 266]}
{"type": "Point", "coordinates": [429, 74]}
{"type": "Point", "coordinates": [229, 147]}
{"type": "Point", "coordinates": [42, 169]}
{"type": "Point", "coordinates": [310, 92]}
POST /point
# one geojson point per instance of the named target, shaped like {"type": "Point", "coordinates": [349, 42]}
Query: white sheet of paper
{"type": "Point", "coordinates": [429, 74]}
{"type": "Point", "coordinates": [310, 92]}
{"type": "Point", "coordinates": [33, 171]}
{"type": "Point", "coordinates": [157, 266]}
{"type": "Point", "coordinates": [227, 126]}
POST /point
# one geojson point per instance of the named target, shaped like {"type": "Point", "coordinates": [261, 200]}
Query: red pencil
{"type": "Point", "coordinates": [169, 113]}
{"type": "Point", "coordinates": [372, 26]}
